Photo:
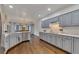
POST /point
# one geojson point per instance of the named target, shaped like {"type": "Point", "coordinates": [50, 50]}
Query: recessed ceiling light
{"type": "Point", "coordinates": [49, 9]}
{"type": "Point", "coordinates": [10, 6]}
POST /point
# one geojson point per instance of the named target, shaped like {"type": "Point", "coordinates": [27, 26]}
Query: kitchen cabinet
{"type": "Point", "coordinates": [7, 43]}
{"type": "Point", "coordinates": [76, 45]}
{"type": "Point", "coordinates": [13, 40]}
{"type": "Point", "coordinates": [65, 20]}
{"type": "Point", "coordinates": [46, 37]}
{"type": "Point", "coordinates": [67, 43]}
{"type": "Point", "coordinates": [26, 36]}
{"type": "Point", "coordinates": [59, 41]}
{"type": "Point", "coordinates": [41, 35]}
{"type": "Point", "coordinates": [75, 18]}
{"type": "Point", "coordinates": [52, 20]}
{"type": "Point", "coordinates": [53, 37]}
{"type": "Point", "coordinates": [49, 38]}
{"type": "Point", "coordinates": [46, 23]}
{"type": "Point", "coordinates": [17, 28]}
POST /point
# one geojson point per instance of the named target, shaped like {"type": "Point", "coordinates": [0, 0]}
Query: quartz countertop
{"type": "Point", "coordinates": [65, 34]}
{"type": "Point", "coordinates": [6, 34]}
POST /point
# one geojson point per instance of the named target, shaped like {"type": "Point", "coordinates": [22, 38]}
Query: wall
{"type": "Point", "coordinates": [37, 27]}
{"type": "Point", "coordinates": [69, 30]}
{"type": "Point", "coordinates": [3, 21]}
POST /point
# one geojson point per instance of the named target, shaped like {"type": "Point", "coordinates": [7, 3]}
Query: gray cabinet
{"type": "Point", "coordinates": [76, 45]}
{"type": "Point", "coordinates": [67, 43]}
{"type": "Point", "coordinates": [46, 23]}
{"type": "Point", "coordinates": [53, 41]}
{"type": "Point", "coordinates": [69, 19]}
{"type": "Point", "coordinates": [59, 41]}
{"type": "Point", "coordinates": [7, 43]}
{"type": "Point", "coordinates": [75, 18]}
{"type": "Point", "coordinates": [42, 24]}
{"type": "Point", "coordinates": [13, 40]}
{"type": "Point", "coordinates": [65, 20]}
{"type": "Point", "coordinates": [41, 35]}
{"type": "Point", "coordinates": [49, 38]}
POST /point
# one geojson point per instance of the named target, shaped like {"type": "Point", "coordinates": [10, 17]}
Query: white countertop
{"type": "Point", "coordinates": [65, 34]}
{"type": "Point", "coordinates": [6, 34]}
{"type": "Point", "coordinates": [68, 34]}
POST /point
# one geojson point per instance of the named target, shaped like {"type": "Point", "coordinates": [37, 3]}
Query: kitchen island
{"type": "Point", "coordinates": [12, 39]}
{"type": "Point", "coordinates": [66, 42]}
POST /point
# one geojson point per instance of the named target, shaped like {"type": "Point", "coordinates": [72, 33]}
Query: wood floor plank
{"type": "Point", "coordinates": [35, 46]}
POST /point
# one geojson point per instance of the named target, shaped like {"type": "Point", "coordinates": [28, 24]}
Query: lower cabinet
{"type": "Point", "coordinates": [76, 45]}
{"type": "Point", "coordinates": [49, 38]}
{"type": "Point", "coordinates": [7, 43]}
{"type": "Point", "coordinates": [41, 35]}
{"type": "Point", "coordinates": [59, 41]}
{"type": "Point", "coordinates": [53, 39]}
{"type": "Point", "coordinates": [13, 40]}
{"type": "Point", "coordinates": [67, 43]}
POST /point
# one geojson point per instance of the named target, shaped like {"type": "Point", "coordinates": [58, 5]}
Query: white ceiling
{"type": "Point", "coordinates": [31, 11]}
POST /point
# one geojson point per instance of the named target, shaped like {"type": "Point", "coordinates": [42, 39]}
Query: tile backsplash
{"type": "Point", "coordinates": [66, 30]}
{"type": "Point", "coordinates": [71, 30]}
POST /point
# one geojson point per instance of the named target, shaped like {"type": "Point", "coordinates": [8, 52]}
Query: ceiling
{"type": "Point", "coordinates": [30, 12]}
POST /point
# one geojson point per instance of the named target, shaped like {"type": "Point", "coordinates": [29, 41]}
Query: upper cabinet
{"type": "Point", "coordinates": [65, 20]}
{"type": "Point", "coordinates": [45, 23]}
{"type": "Point", "coordinates": [75, 18]}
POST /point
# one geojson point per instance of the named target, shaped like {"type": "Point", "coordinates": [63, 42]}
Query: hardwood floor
{"type": "Point", "coordinates": [35, 46]}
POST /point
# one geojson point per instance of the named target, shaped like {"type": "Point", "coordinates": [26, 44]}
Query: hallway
{"type": "Point", "coordinates": [35, 47]}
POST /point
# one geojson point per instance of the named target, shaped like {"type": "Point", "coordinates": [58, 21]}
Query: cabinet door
{"type": "Point", "coordinates": [53, 39]}
{"type": "Point", "coordinates": [13, 40]}
{"type": "Point", "coordinates": [52, 20]}
{"type": "Point", "coordinates": [67, 44]}
{"type": "Point", "coordinates": [18, 38]}
{"type": "Point", "coordinates": [46, 37]}
{"type": "Point", "coordinates": [65, 20]}
{"type": "Point", "coordinates": [59, 41]}
{"type": "Point", "coordinates": [17, 28]}
{"type": "Point", "coordinates": [7, 43]}
{"type": "Point", "coordinates": [49, 38]}
{"type": "Point", "coordinates": [45, 24]}
{"type": "Point", "coordinates": [43, 36]}
{"type": "Point", "coordinates": [75, 17]}
{"type": "Point", "coordinates": [76, 45]}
